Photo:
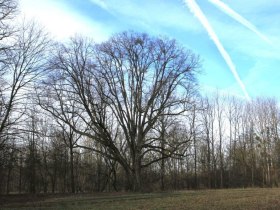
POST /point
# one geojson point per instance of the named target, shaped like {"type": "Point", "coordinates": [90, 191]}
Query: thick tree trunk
{"type": "Point", "coordinates": [137, 174]}
{"type": "Point", "coordinates": [128, 184]}
{"type": "Point", "coordinates": [133, 175]}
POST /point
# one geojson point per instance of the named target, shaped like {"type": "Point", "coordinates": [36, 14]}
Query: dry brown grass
{"type": "Point", "coordinates": [252, 198]}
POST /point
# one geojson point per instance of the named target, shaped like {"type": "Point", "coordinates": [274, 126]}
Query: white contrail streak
{"type": "Point", "coordinates": [226, 9]}
{"type": "Point", "coordinates": [195, 9]}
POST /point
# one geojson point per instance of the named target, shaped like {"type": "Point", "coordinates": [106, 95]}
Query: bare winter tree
{"type": "Point", "coordinates": [23, 64]}
{"type": "Point", "coordinates": [7, 13]}
{"type": "Point", "coordinates": [208, 119]}
{"type": "Point", "coordinates": [8, 10]}
{"type": "Point", "coordinates": [123, 87]}
{"type": "Point", "coordinates": [219, 103]}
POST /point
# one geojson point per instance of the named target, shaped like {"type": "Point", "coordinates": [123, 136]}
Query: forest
{"type": "Point", "coordinates": [126, 114]}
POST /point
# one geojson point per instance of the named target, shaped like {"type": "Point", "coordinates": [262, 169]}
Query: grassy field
{"type": "Point", "coordinates": [255, 198]}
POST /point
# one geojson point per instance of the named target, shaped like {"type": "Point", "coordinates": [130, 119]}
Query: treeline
{"type": "Point", "coordinates": [125, 114]}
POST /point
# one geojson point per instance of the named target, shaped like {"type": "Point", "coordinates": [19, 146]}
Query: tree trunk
{"type": "Point", "coordinates": [162, 187]}
{"type": "Point", "coordinates": [72, 169]}
{"type": "Point", "coordinates": [20, 173]}
{"type": "Point", "coordinates": [195, 162]}
{"type": "Point", "coordinates": [162, 172]}
{"type": "Point", "coordinates": [8, 179]}
{"type": "Point", "coordinates": [208, 161]}
{"type": "Point", "coordinates": [137, 174]}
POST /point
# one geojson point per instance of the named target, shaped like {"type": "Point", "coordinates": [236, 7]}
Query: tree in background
{"type": "Point", "coordinates": [22, 62]}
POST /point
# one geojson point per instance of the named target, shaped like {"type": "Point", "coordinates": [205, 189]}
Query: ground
{"type": "Point", "coordinates": [252, 198]}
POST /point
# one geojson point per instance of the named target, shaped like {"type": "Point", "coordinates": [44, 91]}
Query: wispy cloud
{"type": "Point", "coordinates": [100, 3]}
{"type": "Point", "coordinates": [195, 9]}
{"type": "Point", "coordinates": [226, 9]}
{"type": "Point", "coordinates": [60, 21]}
{"type": "Point", "coordinates": [148, 15]}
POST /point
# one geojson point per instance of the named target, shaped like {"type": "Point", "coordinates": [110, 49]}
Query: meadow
{"type": "Point", "coordinates": [250, 198]}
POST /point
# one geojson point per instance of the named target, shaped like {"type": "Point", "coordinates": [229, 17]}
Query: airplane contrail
{"type": "Point", "coordinates": [226, 9]}
{"type": "Point", "coordinates": [195, 9]}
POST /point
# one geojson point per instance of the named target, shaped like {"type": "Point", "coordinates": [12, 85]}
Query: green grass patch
{"type": "Point", "coordinates": [252, 198]}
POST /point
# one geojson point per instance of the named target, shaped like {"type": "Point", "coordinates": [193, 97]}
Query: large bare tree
{"type": "Point", "coordinates": [120, 90]}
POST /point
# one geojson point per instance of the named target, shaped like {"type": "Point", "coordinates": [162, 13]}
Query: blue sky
{"type": "Point", "coordinates": [256, 57]}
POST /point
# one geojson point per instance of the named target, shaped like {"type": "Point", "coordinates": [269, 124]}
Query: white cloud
{"type": "Point", "coordinates": [151, 15]}
{"type": "Point", "coordinates": [234, 90]}
{"type": "Point", "coordinates": [60, 21]}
